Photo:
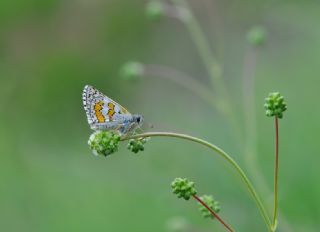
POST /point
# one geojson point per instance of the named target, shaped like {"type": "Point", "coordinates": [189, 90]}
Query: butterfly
{"type": "Point", "coordinates": [103, 113]}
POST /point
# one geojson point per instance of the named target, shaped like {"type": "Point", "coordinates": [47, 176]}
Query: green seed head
{"type": "Point", "coordinates": [183, 188]}
{"type": "Point", "coordinates": [257, 36]}
{"type": "Point", "coordinates": [154, 10]}
{"type": "Point", "coordinates": [136, 145]}
{"type": "Point", "coordinates": [275, 105]}
{"type": "Point", "coordinates": [104, 142]}
{"type": "Point", "coordinates": [131, 71]}
{"type": "Point", "coordinates": [214, 205]}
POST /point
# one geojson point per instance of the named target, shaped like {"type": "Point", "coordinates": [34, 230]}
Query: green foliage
{"type": "Point", "coordinates": [183, 188]}
{"type": "Point", "coordinates": [275, 105]}
{"type": "Point", "coordinates": [104, 142]}
{"type": "Point", "coordinates": [136, 145]}
{"type": "Point", "coordinates": [209, 201]}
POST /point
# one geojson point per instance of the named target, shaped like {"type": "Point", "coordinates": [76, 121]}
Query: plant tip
{"type": "Point", "coordinates": [155, 10]}
{"type": "Point", "coordinates": [136, 145]}
{"type": "Point", "coordinates": [257, 36]}
{"type": "Point", "coordinates": [183, 188]}
{"type": "Point", "coordinates": [211, 203]}
{"type": "Point", "coordinates": [131, 71]}
{"type": "Point", "coordinates": [104, 143]}
{"type": "Point", "coordinates": [275, 105]}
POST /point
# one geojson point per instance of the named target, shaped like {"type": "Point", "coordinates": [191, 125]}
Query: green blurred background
{"type": "Point", "coordinates": [50, 49]}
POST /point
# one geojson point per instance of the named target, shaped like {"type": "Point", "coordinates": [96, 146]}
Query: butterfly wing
{"type": "Point", "coordinates": [100, 108]}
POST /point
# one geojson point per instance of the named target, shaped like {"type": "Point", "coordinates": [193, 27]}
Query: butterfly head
{"type": "Point", "coordinates": [138, 119]}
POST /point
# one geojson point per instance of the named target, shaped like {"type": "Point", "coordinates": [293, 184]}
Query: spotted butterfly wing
{"type": "Point", "coordinates": [100, 108]}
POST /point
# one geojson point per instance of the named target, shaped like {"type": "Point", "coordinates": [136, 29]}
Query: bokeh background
{"type": "Point", "coordinates": [49, 49]}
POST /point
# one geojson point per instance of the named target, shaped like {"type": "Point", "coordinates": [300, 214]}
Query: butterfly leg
{"type": "Point", "coordinates": [127, 128]}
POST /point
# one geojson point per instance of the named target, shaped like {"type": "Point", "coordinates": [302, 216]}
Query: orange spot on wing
{"type": "Point", "coordinates": [111, 111]}
{"type": "Point", "coordinates": [97, 109]}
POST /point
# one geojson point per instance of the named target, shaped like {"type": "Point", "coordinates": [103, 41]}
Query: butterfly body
{"type": "Point", "coordinates": [105, 114]}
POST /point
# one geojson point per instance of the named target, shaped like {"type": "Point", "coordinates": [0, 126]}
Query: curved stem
{"type": "Point", "coordinates": [276, 170]}
{"type": "Point", "coordinates": [201, 43]}
{"type": "Point", "coordinates": [220, 152]}
{"type": "Point", "coordinates": [214, 214]}
{"type": "Point", "coordinates": [210, 62]}
{"type": "Point", "coordinates": [184, 81]}
{"type": "Point", "coordinates": [194, 86]}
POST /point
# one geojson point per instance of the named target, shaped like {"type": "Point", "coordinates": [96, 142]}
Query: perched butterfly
{"type": "Point", "coordinates": [105, 114]}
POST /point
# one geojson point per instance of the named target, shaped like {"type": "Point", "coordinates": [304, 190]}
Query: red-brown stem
{"type": "Point", "coordinates": [214, 214]}
{"type": "Point", "coordinates": [276, 170]}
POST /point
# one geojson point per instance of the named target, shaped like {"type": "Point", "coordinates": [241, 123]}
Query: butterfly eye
{"type": "Point", "coordinates": [138, 119]}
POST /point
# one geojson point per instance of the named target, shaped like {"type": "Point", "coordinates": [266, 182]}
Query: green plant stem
{"type": "Point", "coordinates": [210, 62]}
{"type": "Point", "coordinates": [201, 43]}
{"type": "Point", "coordinates": [185, 81]}
{"type": "Point", "coordinates": [250, 121]}
{"type": "Point", "coordinates": [224, 155]}
{"type": "Point", "coordinates": [214, 214]}
{"type": "Point", "coordinates": [276, 173]}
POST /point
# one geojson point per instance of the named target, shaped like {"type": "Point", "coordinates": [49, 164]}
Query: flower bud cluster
{"type": "Point", "coordinates": [104, 143]}
{"type": "Point", "coordinates": [183, 188]}
{"type": "Point", "coordinates": [211, 203]}
{"type": "Point", "coordinates": [275, 105]}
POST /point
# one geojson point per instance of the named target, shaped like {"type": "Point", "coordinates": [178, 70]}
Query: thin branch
{"type": "Point", "coordinates": [276, 174]}
{"type": "Point", "coordinates": [214, 214]}
{"type": "Point", "coordinates": [185, 81]}
{"type": "Point", "coordinates": [250, 138]}
{"type": "Point", "coordinates": [220, 152]}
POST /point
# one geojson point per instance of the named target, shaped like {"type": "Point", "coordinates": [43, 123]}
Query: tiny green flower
{"type": "Point", "coordinates": [136, 145]}
{"type": "Point", "coordinates": [131, 71]}
{"type": "Point", "coordinates": [257, 36]}
{"type": "Point", "coordinates": [275, 105]}
{"type": "Point", "coordinates": [183, 188]}
{"type": "Point", "coordinates": [154, 10]}
{"type": "Point", "coordinates": [104, 142]}
{"type": "Point", "coordinates": [209, 201]}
